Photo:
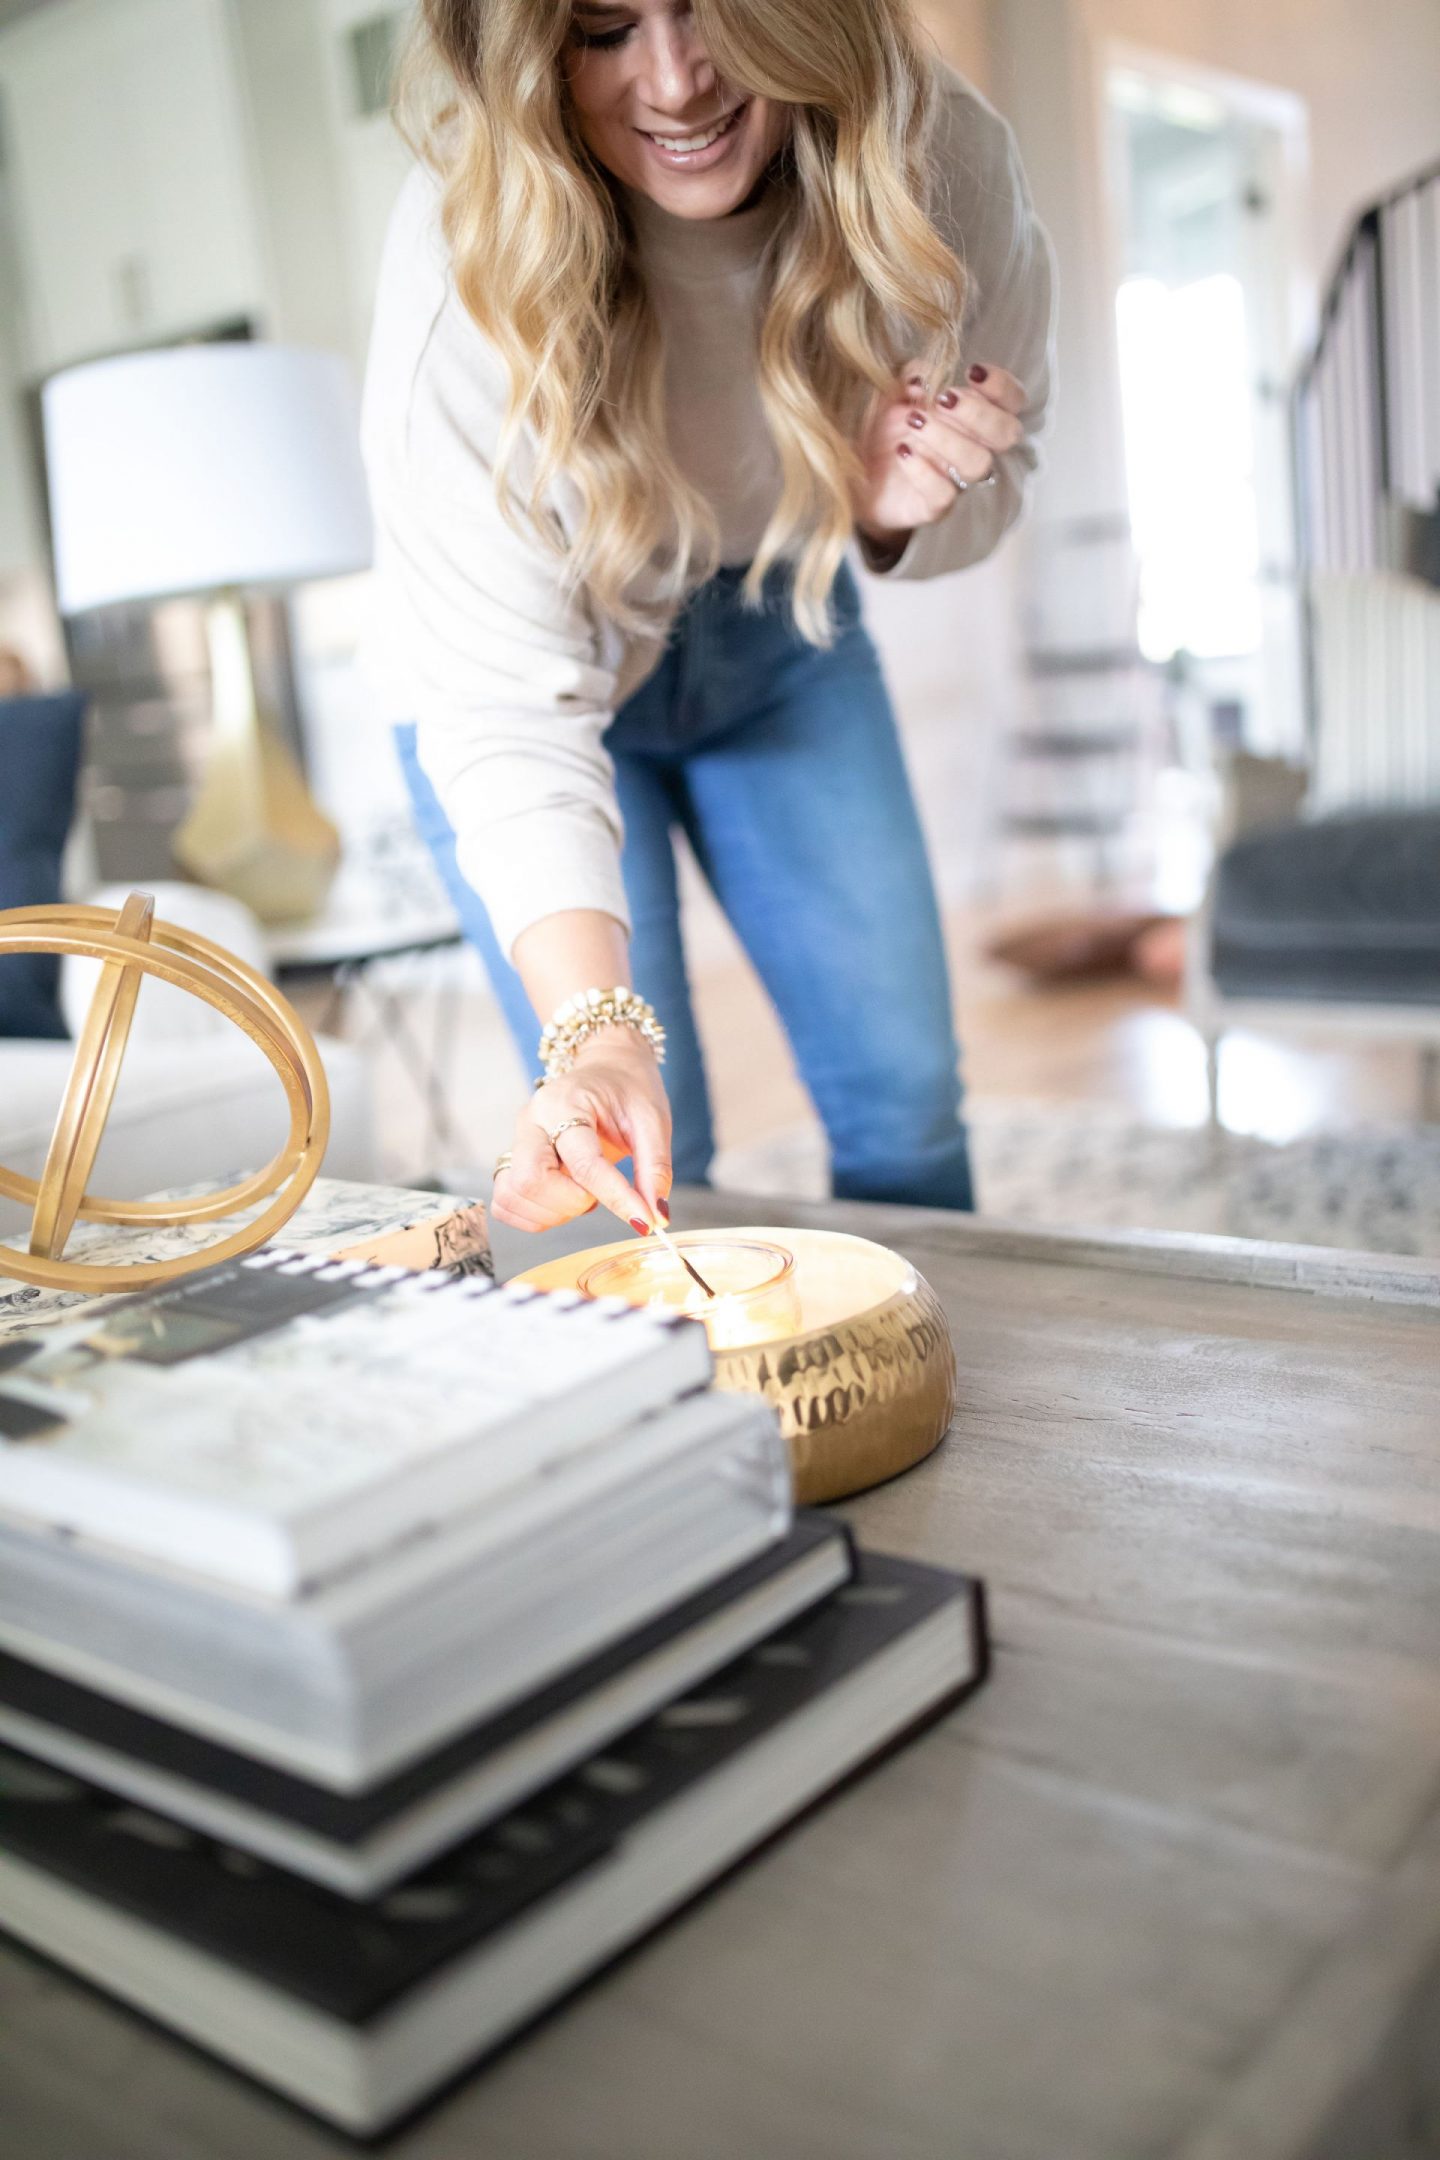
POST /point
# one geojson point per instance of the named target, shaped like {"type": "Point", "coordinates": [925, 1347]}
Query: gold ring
{"type": "Point", "coordinates": [502, 1164]}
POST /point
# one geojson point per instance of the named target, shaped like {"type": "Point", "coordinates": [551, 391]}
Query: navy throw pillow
{"type": "Point", "coordinates": [40, 740]}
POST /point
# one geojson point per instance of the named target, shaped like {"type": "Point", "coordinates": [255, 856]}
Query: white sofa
{"type": "Point", "coordinates": [197, 1101]}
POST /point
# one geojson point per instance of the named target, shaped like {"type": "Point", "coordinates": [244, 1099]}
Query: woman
{"type": "Point", "coordinates": [673, 313]}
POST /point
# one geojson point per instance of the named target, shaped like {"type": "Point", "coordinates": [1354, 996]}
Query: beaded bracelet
{"type": "Point", "coordinates": [585, 1014]}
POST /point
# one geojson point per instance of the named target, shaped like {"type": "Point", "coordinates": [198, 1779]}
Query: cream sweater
{"type": "Point", "coordinates": [512, 684]}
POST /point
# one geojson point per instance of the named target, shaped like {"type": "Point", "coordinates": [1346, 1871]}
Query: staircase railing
{"type": "Point", "coordinates": [1366, 423]}
{"type": "Point", "coordinates": [1366, 408]}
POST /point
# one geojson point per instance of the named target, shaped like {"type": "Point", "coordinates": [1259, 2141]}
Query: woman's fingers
{"type": "Point", "coordinates": [506, 1208]}
{"type": "Point", "coordinates": [931, 489]}
{"type": "Point", "coordinates": [958, 435]}
{"type": "Point", "coordinates": [973, 464]}
{"type": "Point", "coordinates": [573, 1131]}
{"type": "Point", "coordinates": [584, 1158]}
{"type": "Point", "coordinates": [512, 1207]}
{"type": "Point", "coordinates": [650, 1152]}
{"type": "Point", "coordinates": [967, 420]}
{"type": "Point", "coordinates": [509, 1206]}
{"type": "Point", "coordinates": [998, 387]}
{"type": "Point", "coordinates": [995, 385]}
{"type": "Point", "coordinates": [536, 1185]}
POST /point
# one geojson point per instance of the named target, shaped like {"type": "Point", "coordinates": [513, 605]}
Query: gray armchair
{"type": "Point", "coordinates": [1322, 928]}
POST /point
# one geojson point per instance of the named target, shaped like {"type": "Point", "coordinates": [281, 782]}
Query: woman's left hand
{"type": "Point", "coordinates": [915, 449]}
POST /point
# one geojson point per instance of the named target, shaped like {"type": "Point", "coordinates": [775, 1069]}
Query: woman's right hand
{"type": "Point", "coordinates": [615, 1089]}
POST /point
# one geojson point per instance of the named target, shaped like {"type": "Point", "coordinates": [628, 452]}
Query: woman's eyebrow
{"type": "Point", "coordinates": [605, 8]}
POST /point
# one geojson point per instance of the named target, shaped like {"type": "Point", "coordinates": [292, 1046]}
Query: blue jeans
{"type": "Point", "coordinates": [782, 767]}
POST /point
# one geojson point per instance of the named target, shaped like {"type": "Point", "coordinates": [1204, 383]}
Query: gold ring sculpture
{"type": "Point", "coordinates": [130, 944]}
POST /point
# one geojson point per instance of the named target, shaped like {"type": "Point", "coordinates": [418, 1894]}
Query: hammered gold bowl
{"type": "Point", "coordinates": [753, 1298]}
{"type": "Point", "coordinates": [864, 1386]}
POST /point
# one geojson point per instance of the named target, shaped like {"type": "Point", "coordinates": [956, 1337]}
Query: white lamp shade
{"type": "Point", "coordinates": [202, 467]}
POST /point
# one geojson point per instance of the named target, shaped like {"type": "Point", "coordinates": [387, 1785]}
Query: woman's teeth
{"type": "Point", "coordinates": [683, 145]}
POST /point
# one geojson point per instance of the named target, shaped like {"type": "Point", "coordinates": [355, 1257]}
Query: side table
{"type": "Point", "coordinates": [1168, 1889]}
{"type": "Point", "coordinates": [355, 963]}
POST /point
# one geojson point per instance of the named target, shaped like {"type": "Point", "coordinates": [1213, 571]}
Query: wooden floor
{"type": "Point", "coordinates": [1116, 1041]}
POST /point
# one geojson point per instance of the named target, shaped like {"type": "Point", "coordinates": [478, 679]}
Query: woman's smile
{"type": "Point", "coordinates": [700, 147]}
{"type": "Point", "coordinates": [653, 109]}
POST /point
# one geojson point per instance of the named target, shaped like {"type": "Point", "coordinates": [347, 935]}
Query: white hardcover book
{"type": "Point", "coordinates": [361, 1843]}
{"type": "Point", "coordinates": [349, 1683]}
{"type": "Point", "coordinates": [273, 1423]}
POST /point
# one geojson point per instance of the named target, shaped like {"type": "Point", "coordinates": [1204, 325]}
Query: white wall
{"type": "Point", "coordinates": [1043, 81]}
{"type": "Point", "coordinates": [19, 538]}
{"type": "Point", "coordinates": [1368, 75]}
{"type": "Point", "coordinates": [299, 205]}
{"type": "Point", "coordinates": [961, 29]}
{"type": "Point", "coordinates": [1369, 70]}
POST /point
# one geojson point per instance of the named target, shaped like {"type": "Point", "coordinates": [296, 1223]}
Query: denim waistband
{"type": "Point", "coordinates": [726, 581]}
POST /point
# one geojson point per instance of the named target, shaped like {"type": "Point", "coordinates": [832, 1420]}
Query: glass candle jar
{"type": "Point", "coordinates": [756, 1296]}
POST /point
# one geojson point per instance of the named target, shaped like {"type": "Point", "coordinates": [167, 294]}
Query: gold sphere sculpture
{"type": "Point", "coordinates": [130, 944]}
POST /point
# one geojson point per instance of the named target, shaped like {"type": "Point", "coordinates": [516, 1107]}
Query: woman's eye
{"type": "Point", "coordinates": [601, 40]}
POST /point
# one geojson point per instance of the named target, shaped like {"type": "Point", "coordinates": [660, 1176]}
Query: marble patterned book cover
{"type": "Point", "coordinates": [373, 1222]}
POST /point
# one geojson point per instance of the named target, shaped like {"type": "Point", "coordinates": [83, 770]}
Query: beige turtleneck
{"type": "Point", "coordinates": [511, 682]}
{"type": "Point", "coordinates": [702, 276]}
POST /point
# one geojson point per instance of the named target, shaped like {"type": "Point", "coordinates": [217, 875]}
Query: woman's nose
{"type": "Point", "coordinates": [675, 69]}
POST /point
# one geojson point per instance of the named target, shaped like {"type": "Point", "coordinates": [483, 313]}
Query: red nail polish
{"type": "Point", "coordinates": [979, 374]}
{"type": "Point", "coordinates": [949, 399]}
{"type": "Point", "coordinates": [664, 1209]}
{"type": "Point", "coordinates": [915, 420]}
{"type": "Point", "coordinates": [641, 1229]}
{"type": "Point", "coordinates": [903, 450]}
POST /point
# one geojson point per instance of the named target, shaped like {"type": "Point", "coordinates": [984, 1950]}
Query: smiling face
{"type": "Point", "coordinates": [652, 110]}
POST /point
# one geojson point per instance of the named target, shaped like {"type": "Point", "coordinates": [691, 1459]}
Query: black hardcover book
{"type": "Point", "coordinates": [359, 2010]}
{"type": "Point", "coordinates": [359, 1843]}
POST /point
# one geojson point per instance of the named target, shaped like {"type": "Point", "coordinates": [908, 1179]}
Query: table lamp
{"type": "Point", "coordinates": [216, 471]}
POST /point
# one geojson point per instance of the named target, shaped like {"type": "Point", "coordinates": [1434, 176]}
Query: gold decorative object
{"type": "Point", "coordinates": [863, 1384]}
{"type": "Point", "coordinates": [756, 1298]}
{"type": "Point", "coordinates": [132, 944]}
{"type": "Point", "coordinates": [254, 829]}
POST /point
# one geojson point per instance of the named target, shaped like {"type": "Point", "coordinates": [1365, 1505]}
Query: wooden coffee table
{"type": "Point", "coordinates": [1169, 1886]}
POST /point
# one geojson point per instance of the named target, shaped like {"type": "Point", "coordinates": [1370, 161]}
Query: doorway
{"type": "Point", "coordinates": [1206, 179]}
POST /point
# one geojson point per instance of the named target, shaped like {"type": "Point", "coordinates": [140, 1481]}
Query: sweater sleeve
{"type": "Point", "coordinates": [510, 682]}
{"type": "Point", "coordinates": [982, 207]}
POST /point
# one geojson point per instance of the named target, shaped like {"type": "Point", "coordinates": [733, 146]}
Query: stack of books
{"type": "Point", "coordinates": [381, 1653]}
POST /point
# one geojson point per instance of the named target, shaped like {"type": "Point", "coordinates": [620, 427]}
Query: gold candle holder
{"type": "Point", "coordinates": [755, 1299]}
{"type": "Point", "coordinates": [862, 1379]}
{"type": "Point", "coordinates": [131, 943]}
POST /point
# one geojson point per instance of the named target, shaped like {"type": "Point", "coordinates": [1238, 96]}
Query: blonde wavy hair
{"type": "Point", "coordinates": [855, 280]}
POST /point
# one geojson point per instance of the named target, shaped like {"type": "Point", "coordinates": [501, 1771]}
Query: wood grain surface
{"type": "Point", "coordinates": [1170, 1886]}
